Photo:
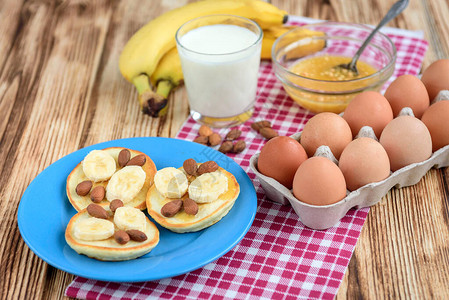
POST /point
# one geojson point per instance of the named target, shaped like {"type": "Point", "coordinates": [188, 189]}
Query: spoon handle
{"type": "Point", "coordinates": [395, 10]}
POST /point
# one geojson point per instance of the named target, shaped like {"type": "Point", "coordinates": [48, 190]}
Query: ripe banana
{"type": "Point", "coordinates": [93, 229]}
{"type": "Point", "coordinates": [98, 165]}
{"type": "Point", "coordinates": [145, 49]}
{"type": "Point", "coordinates": [127, 218]}
{"type": "Point", "coordinates": [171, 182]}
{"type": "Point", "coordinates": [269, 37]}
{"type": "Point", "coordinates": [126, 183]}
{"type": "Point", "coordinates": [208, 187]}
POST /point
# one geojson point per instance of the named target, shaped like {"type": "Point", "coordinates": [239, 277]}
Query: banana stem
{"type": "Point", "coordinates": [150, 102]}
{"type": "Point", "coordinates": [164, 88]}
{"type": "Point", "coordinates": [142, 83]}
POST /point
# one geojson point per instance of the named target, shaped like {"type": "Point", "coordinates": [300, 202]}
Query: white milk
{"type": "Point", "coordinates": [220, 64]}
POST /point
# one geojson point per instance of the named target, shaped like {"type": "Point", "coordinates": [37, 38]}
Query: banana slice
{"type": "Point", "coordinates": [94, 229]}
{"type": "Point", "coordinates": [171, 182]}
{"type": "Point", "coordinates": [208, 187]}
{"type": "Point", "coordinates": [126, 183]}
{"type": "Point", "coordinates": [99, 165]}
{"type": "Point", "coordinates": [126, 218]}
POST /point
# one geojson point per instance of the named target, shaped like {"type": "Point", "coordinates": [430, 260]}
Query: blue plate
{"type": "Point", "coordinates": [44, 212]}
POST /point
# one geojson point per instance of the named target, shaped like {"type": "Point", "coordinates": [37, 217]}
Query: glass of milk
{"type": "Point", "coordinates": [220, 57]}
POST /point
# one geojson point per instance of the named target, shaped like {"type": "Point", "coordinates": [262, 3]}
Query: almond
{"type": "Point", "coordinates": [97, 211]}
{"type": "Point", "coordinates": [205, 130]}
{"type": "Point", "coordinates": [138, 160]}
{"type": "Point", "coordinates": [171, 208]}
{"type": "Point", "coordinates": [214, 139]}
{"type": "Point", "coordinates": [116, 203]}
{"type": "Point", "coordinates": [190, 206]}
{"type": "Point", "coordinates": [202, 140]}
{"type": "Point", "coordinates": [121, 237]}
{"type": "Point", "coordinates": [268, 133]}
{"type": "Point", "coordinates": [233, 134]}
{"type": "Point", "coordinates": [190, 166]}
{"type": "Point", "coordinates": [207, 167]}
{"type": "Point", "coordinates": [257, 126]}
{"type": "Point", "coordinates": [97, 194]}
{"type": "Point", "coordinates": [226, 147]}
{"type": "Point", "coordinates": [123, 157]}
{"type": "Point", "coordinates": [83, 188]}
{"type": "Point", "coordinates": [137, 235]}
{"type": "Point", "coordinates": [239, 146]}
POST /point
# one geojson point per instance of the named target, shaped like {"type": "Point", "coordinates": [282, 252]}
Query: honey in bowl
{"type": "Point", "coordinates": [321, 72]}
{"type": "Point", "coordinates": [311, 78]}
{"type": "Point", "coordinates": [324, 68]}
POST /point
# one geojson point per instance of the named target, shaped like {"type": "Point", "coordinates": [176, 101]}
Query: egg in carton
{"type": "Point", "coordinates": [322, 217]}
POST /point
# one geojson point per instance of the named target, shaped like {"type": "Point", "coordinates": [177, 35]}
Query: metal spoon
{"type": "Point", "coordinates": [395, 10]}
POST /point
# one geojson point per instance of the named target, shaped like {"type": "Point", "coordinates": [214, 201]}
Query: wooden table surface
{"type": "Point", "coordinates": [61, 90]}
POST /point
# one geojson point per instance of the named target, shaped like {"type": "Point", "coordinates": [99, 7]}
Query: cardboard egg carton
{"type": "Point", "coordinates": [323, 217]}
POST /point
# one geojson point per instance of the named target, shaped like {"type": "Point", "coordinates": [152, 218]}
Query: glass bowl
{"type": "Point", "coordinates": [328, 42]}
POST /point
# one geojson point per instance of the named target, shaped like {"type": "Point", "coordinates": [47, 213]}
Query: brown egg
{"type": "Point", "coordinates": [436, 77]}
{"type": "Point", "coordinates": [436, 118]}
{"type": "Point", "coordinates": [364, 161]}
{"type": "Point", "coordinates": [368, 109]}
{"type": "Point", "coordinates": [318, 181]}
{"type": "Point", "coordinates": [279, 159]}
{"type": "Point", "coordinates": [406, 140]}
{"type": "Point", "coordinates": [407, 91]}
{"type": "Point", "coordinates": [326, 129]}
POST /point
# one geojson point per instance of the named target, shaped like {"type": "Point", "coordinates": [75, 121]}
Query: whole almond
{"type": "Point", "coordinates": [137, 235]}
{"type": "Point", "coordinates": [116, 203]}
{"type": "Point", "coordinates": [83, 188]}
{"type": "Point", "coordinates": [171, 208]}
{"type": "Point", "coordinates": [202, 140]}
{"type": "Point", "coordinates": [97, 211]}
{"type": "Point", "coordinates": [257, 126]}
{"type": "Point", "coordinates": [121, 237]}
{"type": "Point", "coordinates": [123, 157]}
{"type": "Point", "coordinates": [190, 206]}
{"type": "Point", "coordinates": [226, 147]}
{"type": "Point", "coordinates": [239, 146]}
{"type": "Point", "coordinates": [190, 166]}
{"type": "Point", "coordinates": [268, 133]}
{"type": "Point", "coordinates": [97, 194]}
{"type": "Point", "coordinates": [138, 160]}
{"type": "Point", "coordinates": [214, 139]}
{"type": "Point", "coordinates": [233, 134]}
{"type": "Point", "coordinates": [207, 167]}
{"type": "Point", "coordinates": [205, 130]}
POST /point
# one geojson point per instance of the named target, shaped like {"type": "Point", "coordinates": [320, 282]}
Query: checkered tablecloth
{"type": "Point", "coordinates": [278, 258]}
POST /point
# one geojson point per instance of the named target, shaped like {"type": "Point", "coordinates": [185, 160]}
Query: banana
{"type": "Point", "coordinates": [208, 187]}
{"type": "Point", "coordinates": [269, 37]}
{"type": "Point", "coordinates": [143, 52]}
{"type": "Point", "coordinates": [94, 229]}
{"type": "Point", "coordinates": [127, 217]}
{"type": "Point", "coordinates": [171, 182]}
{"type": "Point", "coordinates": [126, 183]}
{"type": "Point", "coordinates": [98, 165]}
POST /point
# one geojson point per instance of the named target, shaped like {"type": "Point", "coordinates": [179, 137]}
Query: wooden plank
{"type": "Point", "coordinates": [53, 46]}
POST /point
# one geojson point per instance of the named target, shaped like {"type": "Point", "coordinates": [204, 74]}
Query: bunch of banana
{"type": "Point", "coordinates": [142, 55]}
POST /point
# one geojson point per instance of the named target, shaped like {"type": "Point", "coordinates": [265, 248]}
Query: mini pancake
{"type": "Point", "coordinates": [109, 249]}
{"type": "Point", "coordinates": [77, 176]}
{"type": "Point", "coordinates": [208, 213]}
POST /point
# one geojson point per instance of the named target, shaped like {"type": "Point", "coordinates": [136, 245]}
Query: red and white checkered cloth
{"type": "Point", "coordinates": [278, 258]}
